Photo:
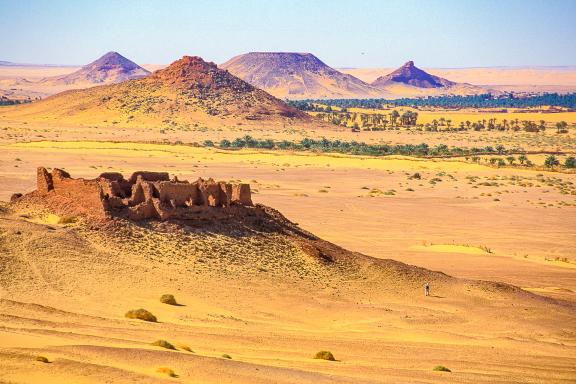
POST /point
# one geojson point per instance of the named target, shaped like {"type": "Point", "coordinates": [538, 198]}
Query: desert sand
{"type": "Point", "coordinates": [259, 299]}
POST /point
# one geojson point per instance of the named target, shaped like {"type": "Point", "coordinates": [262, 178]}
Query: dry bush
{"type": "Point", "coordinates": [226, 356]}
{"type": "Point", "coordinates": [167, 371]}
{"type": "Point", "coordinates": [325, 355]}
{"type": "Point", "coordinates": [66, 220]}
{"type": "Point", "coordinates": [141, 314]}
{"type": "Point", "coordinates": [163, 344]}
{"type": "Point", "coordinates": [168, 299]}
{"type": "Point", "coordinates": [185, 347]}
{"type": "Point", "coordinates": [42, 359]}
{"type": "Point", "coordinates": [441, 368]}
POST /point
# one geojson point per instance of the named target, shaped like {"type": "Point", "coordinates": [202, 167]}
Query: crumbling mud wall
{"type": "Point", "coordinates": [145, 195]}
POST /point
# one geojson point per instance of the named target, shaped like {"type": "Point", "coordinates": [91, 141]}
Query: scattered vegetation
{"type": "Point", "coordinates": [141, 314]}
{"type": "Point", "coordinates": [168, 299]}
{"type": "Point", "coordinates": [6, 101]}
{"type": "Point", "coordinates": [163, 344]}
{"type": "Point", "coordinates": [441, 368]}
{"type": "Point", "coordinates": [325, 355]}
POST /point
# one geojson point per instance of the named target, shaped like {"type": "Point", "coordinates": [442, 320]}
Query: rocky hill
{"type": "Point", "coordinates": [296, 76]}
{"type": "Point", "coordinates": [108, 69]}
{"type": "Point", "coordinates": [189, 91]}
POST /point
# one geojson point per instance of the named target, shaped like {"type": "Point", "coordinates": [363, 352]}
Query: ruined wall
{"type": "Point", "coordinates": [85, 193]}
{"type": "Point", "coordinates": [145, 195]}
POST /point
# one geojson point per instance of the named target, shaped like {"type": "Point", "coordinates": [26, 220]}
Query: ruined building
{"type": "Point", "coordinates": [145, 195]}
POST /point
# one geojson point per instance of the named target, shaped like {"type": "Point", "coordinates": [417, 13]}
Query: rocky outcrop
{"type": "Point", "coordinates": [145, 195]}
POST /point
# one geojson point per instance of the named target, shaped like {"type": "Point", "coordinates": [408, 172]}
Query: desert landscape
{"type": "Point", "coordinates": [276, 219]}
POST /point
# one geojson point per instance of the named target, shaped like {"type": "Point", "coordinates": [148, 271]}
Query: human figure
{"type": "Point", "coordinates": [426, 289]}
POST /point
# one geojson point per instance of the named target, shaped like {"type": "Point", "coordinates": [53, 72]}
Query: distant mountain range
{"type": "Point", "coordinates": [298, 76]}
{"type": "Point", "coordinates": [189, 91]}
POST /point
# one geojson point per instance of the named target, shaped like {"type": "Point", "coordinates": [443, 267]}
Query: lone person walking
{"type": "Point", "coordinates": [426, 289]}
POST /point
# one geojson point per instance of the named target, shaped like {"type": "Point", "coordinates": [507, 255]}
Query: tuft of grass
{"type": "Point", "coordinates": [168, 299]}
{"type": "Point", "coordinates": [141, 314]}
{"type": "Point", "coordinates": [42, 359]}
{"type": "Point", "coordinates": [163, 344]}
{"type": "Point", "coordinates": [325, 355]}
{"type": "Point", "coordinates": [441, 368]}
{"type": "Point", "coordinates": [227, 356]}
{"type": "Point", "coordinates": [167, 371]}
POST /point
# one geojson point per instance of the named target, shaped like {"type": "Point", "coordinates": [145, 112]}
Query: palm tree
{"type": "Point", "coordinates": [551, 161]}
{"type": "Point", "coordinates": [522, 159]}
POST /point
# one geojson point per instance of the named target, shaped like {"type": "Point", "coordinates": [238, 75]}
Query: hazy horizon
{"type": "Point", "coordinates": [343, 34]}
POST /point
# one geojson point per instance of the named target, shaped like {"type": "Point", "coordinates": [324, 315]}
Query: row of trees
{"type": "Point", "coordinates": [357, 148]}
{"type": "Point", "coordinates": [370, 121]}
{"type": "Point", "coordinates": [417, 150]}
{"type": "Point", "coordinates": [494, 124]}
{"type": "Point", "coordinates": [472, 101]}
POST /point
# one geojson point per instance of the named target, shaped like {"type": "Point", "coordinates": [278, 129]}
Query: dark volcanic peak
{"type": "Point", "coordinates": [291, 74]}
{"type": "Point", "coordinates": [412, 75]}
{"type": "Point", "coordinates": [193, 71]}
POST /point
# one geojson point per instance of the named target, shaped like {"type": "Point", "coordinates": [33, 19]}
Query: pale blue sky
{"type": "Point", "coordinates": [382, 33]}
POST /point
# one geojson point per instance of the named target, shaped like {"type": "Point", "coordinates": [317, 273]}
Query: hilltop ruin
{"type": "Point", "coordinates": [145, 195]}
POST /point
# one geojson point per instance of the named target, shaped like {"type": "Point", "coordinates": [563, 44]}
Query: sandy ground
{"type": "Point", "coordinates": [64, 288]}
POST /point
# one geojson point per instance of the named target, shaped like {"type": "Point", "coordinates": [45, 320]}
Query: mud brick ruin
{"type": "Point", "coordinates": [145, 195]}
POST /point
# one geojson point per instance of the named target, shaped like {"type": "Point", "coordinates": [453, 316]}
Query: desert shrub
{"type": "Point", "coordinates": [570, 162]}
{"type": "Point", "coordinates": [226, 356]}
{"type": "Point", "coordinates": [325, 355]}
{"type": "Point", "coordinates": [441, 368]}
{"type": "Point", "coordinates": [141, 314]}
{"type": "Point", "coordinates": [163, 344]}
{"type": "Point", "coordinates": [166, 371]}
{"type": "Point", "coordinates": [66, 220]}
{"type": "Point", "coordinates": [416, 176]}
{"type": "Point", "coordinates": [168, 299]}
{"type": "Point", "coordinates": [185, 347]}
{"type": "Point", "coordinates": [42, 359]}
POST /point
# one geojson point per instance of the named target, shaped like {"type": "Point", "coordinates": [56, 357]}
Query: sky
{"type": "Point", "coordinates": [361, 33]}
